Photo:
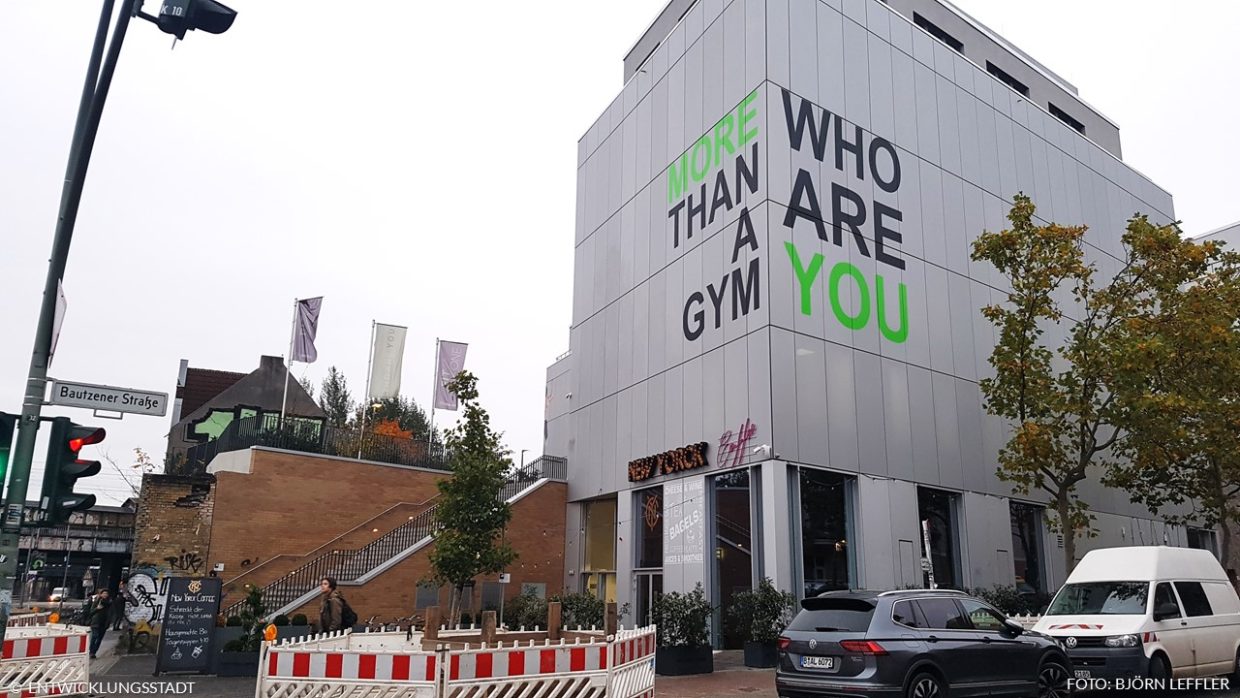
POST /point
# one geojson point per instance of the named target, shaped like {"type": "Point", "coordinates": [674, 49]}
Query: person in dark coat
{"type": "Point", "coordinates": [331, 613]}
{"type": "Point", "coordinates": [100, 612]}
{"type": "Point", "coordinates": [118, 609]}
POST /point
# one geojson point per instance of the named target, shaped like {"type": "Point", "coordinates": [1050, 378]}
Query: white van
{"type": "Point", "coordinates": [1147, 611]}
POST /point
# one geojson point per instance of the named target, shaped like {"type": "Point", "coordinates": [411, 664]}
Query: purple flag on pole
{"type": "Point", "coordinates": [451, 362]}
{"type": "Point", "coordinates": [307, 326]}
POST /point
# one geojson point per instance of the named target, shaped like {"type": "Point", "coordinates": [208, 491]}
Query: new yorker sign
{"type": "Point", "coordinates": [720, 172]}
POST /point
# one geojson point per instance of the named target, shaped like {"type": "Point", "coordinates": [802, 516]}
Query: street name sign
{"type": "Point", "coordinates": [106, 397]}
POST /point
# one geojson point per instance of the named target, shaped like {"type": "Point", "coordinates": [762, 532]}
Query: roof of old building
{"type": "Point", "coordinates": [202, 384]}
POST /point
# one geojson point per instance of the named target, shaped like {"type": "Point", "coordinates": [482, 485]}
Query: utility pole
{"type": "Point", "coordinates": [90, 109]}
{"type": "Point", "coordinates": [175, 17]}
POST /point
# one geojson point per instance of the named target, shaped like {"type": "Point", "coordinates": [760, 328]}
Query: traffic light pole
{"type": "Point", "coordinates": [90, 109]}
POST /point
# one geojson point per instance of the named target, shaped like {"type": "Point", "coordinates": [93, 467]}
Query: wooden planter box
{"type": "Point", "coordinates": [682, 661]}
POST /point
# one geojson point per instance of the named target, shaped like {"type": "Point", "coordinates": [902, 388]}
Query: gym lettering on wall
{"type": "Point", "coordinates": [720, 172]}
{"type": "Point", "coordinates": [719, 190]}
{"type": "Point", "coordinates": [870, 228]}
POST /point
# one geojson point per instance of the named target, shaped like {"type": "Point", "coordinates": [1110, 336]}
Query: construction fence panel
{"type": "Point", "coordinates": [527, 671]}
{"type": "Point", "coordinates": [298, 672]}
{"type": "Point", "coordinates": [387, 665]}
{"type": "Point", "coordinates": [44, 660]}
{"type": "Point", "coordinates": [632, 661]}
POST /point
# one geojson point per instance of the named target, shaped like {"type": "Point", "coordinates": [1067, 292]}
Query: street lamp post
{"type": "Point", "coordinates": [175, 17]}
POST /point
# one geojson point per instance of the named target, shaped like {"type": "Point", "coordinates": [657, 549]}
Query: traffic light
{"type": "Point", "coordinates": [64, 469]}
{"type": "Point", "coordinates": [8, 424]}
{"type": "Point", "coordinates": [179, 16]}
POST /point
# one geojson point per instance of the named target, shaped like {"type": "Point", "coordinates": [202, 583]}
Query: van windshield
{"type": "Point", "coordinates": [1100, 599]}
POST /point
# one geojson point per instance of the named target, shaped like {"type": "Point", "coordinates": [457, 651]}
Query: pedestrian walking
{"type": "Point", "coordinates": [118, 609]}
{"type": "Point", "coordinates": [335, 613]}
{"type": "Point", "coordinates": [100, 614]}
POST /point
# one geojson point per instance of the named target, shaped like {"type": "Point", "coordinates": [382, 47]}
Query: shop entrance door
{"type": "Point", "coordinates": [649, 588]}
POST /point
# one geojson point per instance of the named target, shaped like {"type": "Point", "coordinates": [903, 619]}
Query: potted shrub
{"type": "Point", "coordinates": [760, 615]}
{"type": "Point", "coordinates": [683, 622]}
{"type": "Point", "coordinates": [240, 655]}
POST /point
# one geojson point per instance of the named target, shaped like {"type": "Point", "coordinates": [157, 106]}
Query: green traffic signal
{"type": "Point", "coordinates": [64, 469]}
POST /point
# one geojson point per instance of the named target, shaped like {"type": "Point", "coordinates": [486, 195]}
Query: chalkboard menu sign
{"type": "Point", "coordinates": [185, 641]}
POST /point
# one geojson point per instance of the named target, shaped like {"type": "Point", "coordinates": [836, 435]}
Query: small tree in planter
{"type": "Point", "coordinates": [240, 655]}
{"type": "Point", "coordinates": [683, 622]}
{"type": "Point", "coordinates": [760, 615]}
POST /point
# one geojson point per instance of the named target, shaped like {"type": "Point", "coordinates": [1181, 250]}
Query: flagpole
{"type": "Point", "coordinates": [434, 395]}
{"type": "Point", "coordinates": [288, 362]}
{"type": "Point", "coordinates": [366, 398]}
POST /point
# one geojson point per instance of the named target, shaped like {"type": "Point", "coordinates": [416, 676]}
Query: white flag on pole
{"type": "Point", "coordinates": [386, 358]}
{"type": "Point", "coordinates": [451, 362]}
{"type": "Point", "coordinates": [306, 327]}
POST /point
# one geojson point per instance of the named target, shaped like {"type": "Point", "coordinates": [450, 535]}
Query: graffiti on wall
{"type": "Point", "coordinates": [187, 561]}
{"type": "Point", "coordinates": [146, 595]}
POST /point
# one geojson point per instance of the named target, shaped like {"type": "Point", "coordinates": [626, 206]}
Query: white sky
{"type": "Point", "coordinates": [414, 163]}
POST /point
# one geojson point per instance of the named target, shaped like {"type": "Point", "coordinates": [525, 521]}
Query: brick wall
{"type": "Point", "coordinates": [173, 527]}
{"type": "Point", "coordinates": [536, 533]}
{"type": "Point", "coordinates": [292, 503]}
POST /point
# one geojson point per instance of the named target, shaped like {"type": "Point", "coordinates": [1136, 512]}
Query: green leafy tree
{"type": "Point", "coordinates": [1067, 424]}
{"type": "Point", "coordinates": [1179, 384]}
{"type": "Point", "coordinates": [335, 399]}
{"type": "Point", "coordinates": [470, 517]}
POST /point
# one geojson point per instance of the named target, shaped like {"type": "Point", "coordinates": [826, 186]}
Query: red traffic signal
{"type": "Point", "coordinates": [64, 469]}
{"type": "Point", "coordinates": [94, 437]}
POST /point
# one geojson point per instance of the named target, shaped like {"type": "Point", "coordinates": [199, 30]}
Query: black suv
{"type": "Point", "coordinates": [914, 644]}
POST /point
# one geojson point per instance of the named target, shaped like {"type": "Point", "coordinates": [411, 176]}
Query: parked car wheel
{"type": "Point", "coordinates": [1053, 680]}
{"type": "Point", "coordinates": [925, 685]}
{"type": "Point", "coordinates": [1235, 672]}
{"type": "Point", "coordinates": [1160, 668]}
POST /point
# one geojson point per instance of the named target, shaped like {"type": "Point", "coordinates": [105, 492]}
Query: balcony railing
{"type": "Point", "coordinates": [313, 435]}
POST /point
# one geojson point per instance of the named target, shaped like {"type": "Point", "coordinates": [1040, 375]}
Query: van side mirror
{"type": "Point", "coordinates": [1166, 610]}
{"type": "Point", "coordinates": [1013, 627]}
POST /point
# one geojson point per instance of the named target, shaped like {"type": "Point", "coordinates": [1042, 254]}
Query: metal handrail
{"type": "Point", "coordinates": [349, 565]}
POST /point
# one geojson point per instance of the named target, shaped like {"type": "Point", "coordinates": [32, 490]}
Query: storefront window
{"type": "Point", "coordinates": [1202, 539]}
{"type": "Point", "coordinates": [649, 524]}
{"type": "Point", "coordinates": [1027, 547]}
{"type": "Point", "coordinates": [937, 514]}
{"type": "Point", "coordinates": [824, 531]}
{"type": "Point", "coordinates": [733, 545]}
{"type": "Point", "coordinates": [599, 568]}
{"type": "Point", "coordinates": [650, 527]}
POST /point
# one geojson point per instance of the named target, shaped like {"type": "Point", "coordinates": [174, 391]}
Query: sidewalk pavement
{"type": "Point", "coordinates": [730, 678]}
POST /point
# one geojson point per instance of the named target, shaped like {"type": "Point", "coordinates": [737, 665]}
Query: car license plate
{"type": "Point", "coordinates": [827, 663]}
{"type": "Point", "coordinates": [1081, 673]}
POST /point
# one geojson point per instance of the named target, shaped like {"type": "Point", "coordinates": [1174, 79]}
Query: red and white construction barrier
{"type": "Point", "coordinates": [632, 674]}
{"type": "Point", "coordinates": [44, 660]}
{"type": "Point", "coordinates": [547, 669]}
{"type": "Point", "coordinates": [386, 665]}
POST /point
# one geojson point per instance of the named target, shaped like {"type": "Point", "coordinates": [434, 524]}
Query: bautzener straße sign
{"type": "Point", "coordinates": [106, 397]}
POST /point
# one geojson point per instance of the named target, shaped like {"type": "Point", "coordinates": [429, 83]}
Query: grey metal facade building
{"type": "Point", "coordinates": [776, 340]}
